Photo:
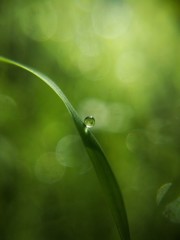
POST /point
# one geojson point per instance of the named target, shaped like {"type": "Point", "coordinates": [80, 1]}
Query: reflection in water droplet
{"type": "Point", "coordinates": [89, 121]}
{"type": "Point", "coordinates": [70, 152]}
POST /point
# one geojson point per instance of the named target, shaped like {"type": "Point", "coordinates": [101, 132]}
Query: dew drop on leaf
{"type": "Point", "coordinates": [89, 121]}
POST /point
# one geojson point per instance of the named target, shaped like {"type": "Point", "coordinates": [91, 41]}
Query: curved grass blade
{"type": "Point", "coordinates": [97, 156]}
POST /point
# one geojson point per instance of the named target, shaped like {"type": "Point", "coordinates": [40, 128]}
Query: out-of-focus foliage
{"type": "Point", "coordinates": [118, 61]}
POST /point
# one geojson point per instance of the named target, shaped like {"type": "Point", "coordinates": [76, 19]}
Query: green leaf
{"type": "Point", "coordinates": [97, 156]}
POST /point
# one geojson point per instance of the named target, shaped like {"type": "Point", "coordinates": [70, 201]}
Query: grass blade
{"type": "Point", "coordinates": [97, 156]}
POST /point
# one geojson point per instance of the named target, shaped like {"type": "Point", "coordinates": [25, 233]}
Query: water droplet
{"type": "Point", "coordinates": [89, 121]}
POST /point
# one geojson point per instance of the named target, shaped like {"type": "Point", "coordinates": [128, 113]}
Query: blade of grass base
{"type": "Point", "coordinates": [97, 156]}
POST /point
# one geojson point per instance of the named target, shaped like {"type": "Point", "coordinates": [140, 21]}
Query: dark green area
{"type": "Point", "coordinates": [117, 61]}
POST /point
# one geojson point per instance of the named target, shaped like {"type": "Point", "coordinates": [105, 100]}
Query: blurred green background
{"type": "Point", "coordinates": [118, 61]}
